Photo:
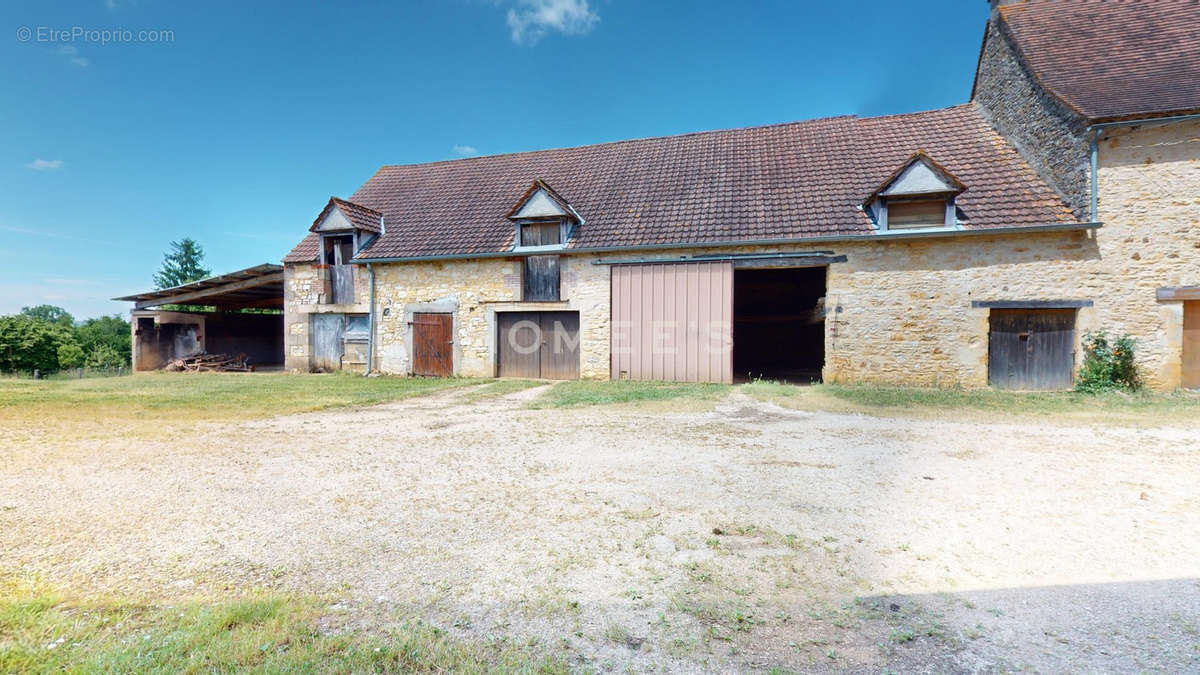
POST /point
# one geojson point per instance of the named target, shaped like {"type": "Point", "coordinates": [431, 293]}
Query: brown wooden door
{"type": "Point", "coordinates": [539, 345]}
{"type": "Point", "coordinates": [1191, 344]}
{"type": "Point", "coordinates": [560, 345]}
{"type": "Point", "coordinates": [433, 344]}
{"type": "Point", "coordinates": [1032, 349]}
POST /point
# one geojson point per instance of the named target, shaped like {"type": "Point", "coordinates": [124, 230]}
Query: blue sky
{"type": "Point", "coordinates": [236, 127]}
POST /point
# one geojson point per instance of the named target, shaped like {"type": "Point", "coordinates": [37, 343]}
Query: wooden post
{"type": "Point", "coordinates": [80, 370]}
{"type": "Point", "coordinates": [37, 374]}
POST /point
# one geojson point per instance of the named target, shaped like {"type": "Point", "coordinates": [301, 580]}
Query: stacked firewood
{"type": "Point", "coordinates": [211, 363]}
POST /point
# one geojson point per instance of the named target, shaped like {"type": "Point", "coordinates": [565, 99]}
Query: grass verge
{"type": "Point", "coordinates": [595, 392]}
{"type": "Point", "coordinates": [41, 632]}
{"type": "Point", "coordinates": [1113, 408]}
{"type": "Point", "coordinates": [203, 396]}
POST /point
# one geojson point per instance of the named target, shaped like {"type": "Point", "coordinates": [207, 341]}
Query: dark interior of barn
{"type": "Point", "coordinates": [779, 324]}
{"type": "Point", "coordinates": [238, 315]}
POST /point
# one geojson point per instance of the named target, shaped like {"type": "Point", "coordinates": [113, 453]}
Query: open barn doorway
{"type": "Point", "coordinates": [779, 324]}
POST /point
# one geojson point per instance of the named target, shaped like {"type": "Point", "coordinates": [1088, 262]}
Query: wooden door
{"type": "Point", "coordinates": [328, 332]}
{"type": "Point", "coordinates": [672, 322]}
{"type": "Point", "coordinates": [537, 345]}
{"type": "Point", "coordinates": [1191, 344]}
{"type": "Point", "coordinates": [518, 345]}
{"type": "Point", "coordinates": [1032, 349]}
{"type": "Point", "coordinates": [559, 358]}
{"type": "Point", "coordinates": [433, 344]}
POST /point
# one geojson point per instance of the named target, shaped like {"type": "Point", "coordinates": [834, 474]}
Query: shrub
{"type": "Point", "coordinates": [1107, 363]}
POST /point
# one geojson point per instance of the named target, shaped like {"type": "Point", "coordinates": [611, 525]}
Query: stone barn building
{"type": "Point", "coordinates": [969, 246]}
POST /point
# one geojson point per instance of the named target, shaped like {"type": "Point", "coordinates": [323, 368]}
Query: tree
{"type": "Point", "coordinates": [70, 355]}
{"type": "Point", "coordinates": [182, 263]}
{"type": "Point", "coordinates": [27, 344]}
{"type": "Point", "coordinates": [105, 331]}
{"type": "Point", "coordinates": [49, 313]}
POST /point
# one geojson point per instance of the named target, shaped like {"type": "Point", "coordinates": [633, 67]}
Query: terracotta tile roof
{"type": "Point", "coordinates": [786, 181]}
{"type": "Point", "coordinates": [1109, 59]}
{"type": "Point", "coordinates": [360, 216]}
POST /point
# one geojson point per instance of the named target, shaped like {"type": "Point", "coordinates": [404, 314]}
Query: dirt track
{"type": "Point", "coordinates": [738, 538]}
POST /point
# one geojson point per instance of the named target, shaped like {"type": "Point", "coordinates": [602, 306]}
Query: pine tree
{"type": "Point", "coordinates": [181, 264]}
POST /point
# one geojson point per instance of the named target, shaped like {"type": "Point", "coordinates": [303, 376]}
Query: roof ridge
{"type": "Point", "coordinates": [847, 117]}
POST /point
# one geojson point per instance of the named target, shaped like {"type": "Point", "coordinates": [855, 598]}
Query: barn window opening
{"type": "Point", "coordinates": [338, 250]}
{"type": "Point", "coordinates": [779, 324]}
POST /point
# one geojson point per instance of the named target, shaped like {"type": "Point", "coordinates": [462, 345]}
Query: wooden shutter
{"type": "Point", "coordinates": [540, 281]}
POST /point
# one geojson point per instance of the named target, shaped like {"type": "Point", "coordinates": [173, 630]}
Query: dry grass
{"type": "Point", "coordinates": [154, 403]}
{"type": "Point", "coordinates": [43, 631]}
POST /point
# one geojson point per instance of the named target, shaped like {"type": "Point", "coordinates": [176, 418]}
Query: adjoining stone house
{"type": "Point", "coordinates": [967, 246]}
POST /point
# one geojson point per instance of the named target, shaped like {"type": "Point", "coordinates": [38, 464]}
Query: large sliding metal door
{"type": "Point", "coordinates": [673, 322]}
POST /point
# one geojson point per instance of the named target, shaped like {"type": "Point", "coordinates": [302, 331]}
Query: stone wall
{"type": "Point", "coordinates": [304, 289]}
{"type": "Point", "coordinates": [1044, 131]}
{"type": "Point", "coordinates": [1149, 202]}
{"type": "Point", "coordinates": [473, 291]}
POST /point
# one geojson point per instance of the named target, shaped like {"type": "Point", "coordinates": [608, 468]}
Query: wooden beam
{"type": "Point", "coordinates": [185, 298]}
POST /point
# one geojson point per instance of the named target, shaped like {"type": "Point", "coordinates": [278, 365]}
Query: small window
{"type": "Point", "coordinates": [541, 234]}
{"type": "Point", "coordinates": [907, 215]}
{"type": "Point", "coordinates": [540, 281]}
{"type": "Point", "coordinates": [338, 250]}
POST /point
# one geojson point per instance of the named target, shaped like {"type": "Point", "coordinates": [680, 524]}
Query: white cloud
{"type": "Point", "coordinates": [45, 164]}
{"type": "Point", "coordinates": [465, 150]}
{"type": "Point", "coordinates": [531, 20]}
{"type": "Point", "coordinates": [72, 54]}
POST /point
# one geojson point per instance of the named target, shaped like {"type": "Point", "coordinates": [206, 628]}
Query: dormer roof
{"type": "Point", "coordinates": [341, 215]}
{"type": "Point", "coordinates": [541, 201]}
{"type": "Point", "coordinates": [918, 175]}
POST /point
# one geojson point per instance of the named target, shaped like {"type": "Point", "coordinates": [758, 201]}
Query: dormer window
{"type": "Point", "coordinates": [543, 220]}
{"type": "Point", "coordinates": [345, 229]}
{"type": "Point", "coordinates": [920, 195]}
{"type": "Point", "coordinates": [541, 233]}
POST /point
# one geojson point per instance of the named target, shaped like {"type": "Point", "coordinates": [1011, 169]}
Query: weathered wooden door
{"type": "Point", "coordinates": [1191, 344]}
{"type": "Point", "coordinates": [1032, 349]}
{"type": "Point", "coordinates": [328, 332]}
{"type": "Point", "coordinates": [433, 344]}
{"type": "Point", "coordinates": [541, 345]}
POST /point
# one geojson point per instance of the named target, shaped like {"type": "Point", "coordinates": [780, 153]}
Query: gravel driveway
{"type": "Point", "coordinates": [737, 538]}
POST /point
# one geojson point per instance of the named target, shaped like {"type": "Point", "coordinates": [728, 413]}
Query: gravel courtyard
{"type": "Point", "coordinates": [678, 537]}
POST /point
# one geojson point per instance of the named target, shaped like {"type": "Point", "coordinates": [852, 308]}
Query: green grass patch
{"type": "Point", "coordinates": [595, 392]}
{"type": "Point", "coordinates": [1114, 407]}
{"type": "Point", "coordinates": [499, 388]}
{"type": "Point", "coordinates": [41, 632]}
{"type": "Point", "coordinates": [166, 397]}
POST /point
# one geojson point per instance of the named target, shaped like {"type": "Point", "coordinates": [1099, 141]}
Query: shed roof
{"type": "Point", "coordinates": [260, 287]}
{"type": "Point", "coordinates": [781, 182]}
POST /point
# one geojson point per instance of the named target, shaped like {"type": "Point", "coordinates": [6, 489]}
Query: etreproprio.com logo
{"type": "Point", "coordinates": [100, 36]}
